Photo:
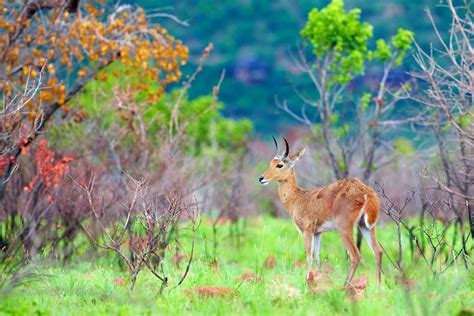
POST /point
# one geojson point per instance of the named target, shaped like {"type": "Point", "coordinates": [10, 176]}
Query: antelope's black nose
{"type": "Point", "coordinates": [260, 179]}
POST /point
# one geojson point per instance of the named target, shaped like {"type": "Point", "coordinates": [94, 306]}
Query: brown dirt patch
{"type": "Point", "coordinates": [270, 262]}
{"type": "Point", "coordinates": [119, 281]}
{"type": "Point", "coordinates": [409, 283]}
{"type": "Point", "coordinates": [211, 291]}
{"type": "Point", "coordinates": [300, 263]}
{"type": "Point", "coordinates": [249, 276]}
{"type": "Point", "coordinates": [356, 290]}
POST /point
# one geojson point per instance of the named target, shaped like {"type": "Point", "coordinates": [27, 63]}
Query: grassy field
{"type": "Point", "coordinates": [87, 287]}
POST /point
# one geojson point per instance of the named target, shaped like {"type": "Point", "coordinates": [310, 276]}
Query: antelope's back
{"type": "Point", "coordinates": [352, 190]}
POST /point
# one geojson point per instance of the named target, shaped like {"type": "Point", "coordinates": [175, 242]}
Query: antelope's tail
{"type": "Point", "coordinates": [371, 209]}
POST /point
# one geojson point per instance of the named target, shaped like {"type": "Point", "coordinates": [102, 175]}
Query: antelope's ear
{"type": "Point", "coordinates": [296, 156]}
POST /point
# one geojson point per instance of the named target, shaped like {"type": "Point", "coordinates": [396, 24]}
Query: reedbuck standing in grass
{"type": "Point", "coordinates": [338, 206]}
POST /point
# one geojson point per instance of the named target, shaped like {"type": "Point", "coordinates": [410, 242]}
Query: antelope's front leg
{"type": "Point", "coordinates": [309, 249]}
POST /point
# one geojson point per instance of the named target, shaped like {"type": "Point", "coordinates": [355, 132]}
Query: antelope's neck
{"type": "Point", "coordinates": [289, 192]}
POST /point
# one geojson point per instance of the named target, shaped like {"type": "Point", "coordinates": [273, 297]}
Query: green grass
{"type": "Point", "coordinates": [85, 287]}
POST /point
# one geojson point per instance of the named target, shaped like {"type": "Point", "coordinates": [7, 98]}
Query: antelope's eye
{"type": "Point", "coordinates": [280, 165]}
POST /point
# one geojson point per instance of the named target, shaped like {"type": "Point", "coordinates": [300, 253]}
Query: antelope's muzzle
{"type": "Point", "coordinates": [262, 180]}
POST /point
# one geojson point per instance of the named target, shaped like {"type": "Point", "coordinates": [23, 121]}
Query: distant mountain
{"type": "Point", "coordinates": [253, 41]}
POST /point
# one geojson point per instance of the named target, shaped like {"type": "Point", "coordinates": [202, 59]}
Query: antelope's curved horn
{"type": "Point", "coordinates": [277, 150]}
{"type": "Point", "coordinates": [287, 149]}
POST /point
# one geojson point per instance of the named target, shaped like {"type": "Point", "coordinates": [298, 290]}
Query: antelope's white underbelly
{"type": "Point", "coordinates": [327, 226]}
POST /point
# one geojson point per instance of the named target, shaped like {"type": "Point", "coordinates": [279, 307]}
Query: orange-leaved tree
{"type": "Point", "coordinates": [49, 49]}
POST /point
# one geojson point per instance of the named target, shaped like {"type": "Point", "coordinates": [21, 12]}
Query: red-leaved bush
{"type": "Point", "coordinates": [50, 168]}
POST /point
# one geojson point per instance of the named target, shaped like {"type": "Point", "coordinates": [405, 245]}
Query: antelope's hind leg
{"type": "Point", "coordinates": [347, 235]}
{"type": "Point", "coordinates": [370, 237]}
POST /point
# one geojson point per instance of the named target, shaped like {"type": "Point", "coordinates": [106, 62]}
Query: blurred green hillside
{"type": "Point", "coordinates": [255, 40]}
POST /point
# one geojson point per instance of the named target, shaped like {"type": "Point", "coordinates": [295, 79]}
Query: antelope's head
{"type": "Point", "coordinates": [281, 166]}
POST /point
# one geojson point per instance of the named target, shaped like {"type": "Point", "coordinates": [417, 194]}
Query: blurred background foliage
{"type": "Point", "coordinates": [255, 41]}
{"type": "Point", "coordinates": [103, 101]}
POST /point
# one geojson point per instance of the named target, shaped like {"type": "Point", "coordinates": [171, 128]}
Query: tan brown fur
{"type": "Point", "coordinates": [338, 206]}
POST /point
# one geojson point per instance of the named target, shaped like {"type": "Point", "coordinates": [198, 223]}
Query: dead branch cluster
{"type": "Point", "coordinates": [142, 226]}
{"type": "Point", "coordinates": [447, 93]}
{"type": "Point", "coordinates": [437, 235]}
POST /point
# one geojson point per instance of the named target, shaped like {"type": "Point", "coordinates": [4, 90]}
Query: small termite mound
{"type": "Point", "coordinates": [318, 281]}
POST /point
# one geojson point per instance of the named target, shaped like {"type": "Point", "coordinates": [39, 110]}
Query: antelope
{"type": "Point", "coordinates": [338, 206]}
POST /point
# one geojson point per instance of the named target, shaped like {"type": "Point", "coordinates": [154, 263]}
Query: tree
{"type": "Point", "coordinates": [50, 49]}
{"type": "Point", "coordinates": [340, 48]}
